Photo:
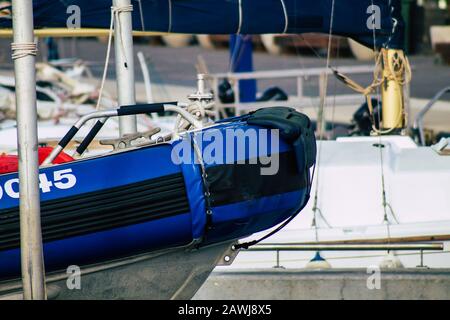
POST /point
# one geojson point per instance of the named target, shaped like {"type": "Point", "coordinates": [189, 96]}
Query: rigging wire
{"type": "Point", "coordinates": [321, 126]}
{"type": "Point", "coordinates": [158, 77]}
{"type": "Point", "coordinates": [380, 59]}
{"type": "Point", "coordinates": [141, 15]}
{"type": "Point", "coordinates": [300, 60]}
{"type": "Point", "coordinates": [238, 50]}
{"type": "Point", "coordinates": [380, 146]}
{"type": "Point", "coordinates": [246, 245]}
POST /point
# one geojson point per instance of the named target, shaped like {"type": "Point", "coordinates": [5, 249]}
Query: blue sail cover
{"type": "Point", "coordinates": [352, 18]}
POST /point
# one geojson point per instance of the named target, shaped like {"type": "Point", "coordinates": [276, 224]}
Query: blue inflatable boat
{"type": "Point", "coordinates": [226, 181]}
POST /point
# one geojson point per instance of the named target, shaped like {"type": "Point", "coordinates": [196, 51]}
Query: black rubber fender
{"type": "Point", "coordinates": [294, 127]}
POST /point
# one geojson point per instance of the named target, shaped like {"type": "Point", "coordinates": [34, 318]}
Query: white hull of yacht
{"type": "Point", "coordinates": [349, 177]}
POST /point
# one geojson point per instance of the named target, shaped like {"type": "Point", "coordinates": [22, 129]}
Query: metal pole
{"type": "Point", "coordinates": [241, 60]}
{"type": "Point", "coordinates": [33, 275]}
{"type": "Point", "coordinates": [347, 247]}
{"type": "Point", "coordinates": [124, 57]}
{"type": "Point", "coordinates": [146, 75]}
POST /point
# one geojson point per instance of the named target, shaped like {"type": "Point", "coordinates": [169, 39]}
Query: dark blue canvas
{"type": "Point", "coordinates": [239, 16]}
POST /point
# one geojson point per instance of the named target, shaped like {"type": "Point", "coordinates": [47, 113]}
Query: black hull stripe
{"type": "Point", "coordinates": [165, 183]}
{"type": "Point", "coordinates": [102, 210]}
{"type": "Point", "coordinates": [100, 205]}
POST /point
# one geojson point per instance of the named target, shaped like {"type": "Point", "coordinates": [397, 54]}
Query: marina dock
{"type": "Point", "coordinates": [334, 284]}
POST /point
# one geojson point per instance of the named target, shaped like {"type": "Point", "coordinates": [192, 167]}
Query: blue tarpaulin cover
{"type": "Point", "coordinates": [351, 17]}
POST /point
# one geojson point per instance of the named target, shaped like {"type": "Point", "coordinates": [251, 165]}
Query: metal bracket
{"type": "Point", "coordinates": [201, 94]}
{"type": "Point", "coordinates": [125, 141]}
{"type": "Point", "coordinates": [228, 256]}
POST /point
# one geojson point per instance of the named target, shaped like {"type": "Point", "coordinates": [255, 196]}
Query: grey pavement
{"type": "Point", "coordinates": [334, 284]}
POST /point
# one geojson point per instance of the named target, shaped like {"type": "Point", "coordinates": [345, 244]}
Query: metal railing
{"type": "Point", "coordinates": [299, 75]}
{"type": "Point", "coordinates": [277, 248]}
{"type": "Point", "coordinates": [347, 247]}
{"type": "Point", "coordinates": [418, 121]}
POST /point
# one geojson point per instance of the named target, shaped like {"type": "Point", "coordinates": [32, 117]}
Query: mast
{"type": "Point", "coordinates": [24, 51]}
{"type": "Point", "coordinates": [124, 58]}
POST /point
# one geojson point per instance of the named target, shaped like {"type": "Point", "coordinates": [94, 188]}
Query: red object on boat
{"type": "Point", "coordinates": [10, 163]}
{"type": "Point", "coordinates": [44, 152]}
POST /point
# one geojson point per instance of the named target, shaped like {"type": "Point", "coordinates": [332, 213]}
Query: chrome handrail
{"type": "Point", "coordinates": [347, 247]}
{"type": "Point", "coordinates": [104, 115]}
{"type": "Point", "coordinates": [418, 121]}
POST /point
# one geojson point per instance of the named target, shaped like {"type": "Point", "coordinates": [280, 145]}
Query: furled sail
{"type": "Point", "coordinates": [370, 22]}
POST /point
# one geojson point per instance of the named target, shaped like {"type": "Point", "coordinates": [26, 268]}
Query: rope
{"type": "Point", "coordinates": [246, 245]}
{"type": "Point", "coordinates": [401, 76]}
{"type": "Point", "coordinates": [198, 110]}
{"type": "Point", "coordinates": [22, 50]}
{"type": "Point", "coordinates": [115, 13]}
{"type": "Point", "coordinates": [367, 91]}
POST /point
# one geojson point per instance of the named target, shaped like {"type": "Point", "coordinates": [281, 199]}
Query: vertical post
{"type": "Point", "coordinates": [33, 275]}
{"type": "Point", "coordinates": [278, 259]}
{"type": "Point", "coordinates": [321, 125]}
{"type": "Point", "coordinates": [124, 57]}
{"type": "Point", "coordinates": [147, 80]}
{"type": "Point", "coordinates": [300, 87]}
{"type": "Point", "coordinates": [237, 96]}
{"type": "Point", "coordinates": [241, 60]}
